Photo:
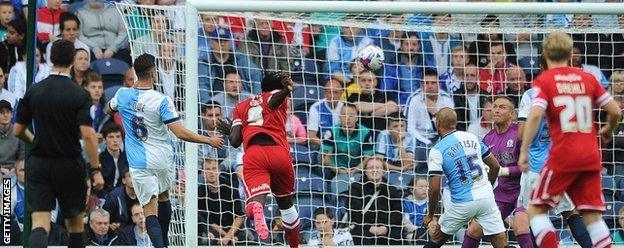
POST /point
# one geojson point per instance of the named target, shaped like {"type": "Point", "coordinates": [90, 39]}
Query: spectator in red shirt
{"type": "Point", "coordinates": [48, 21]}
{"type": "Point", "coordinates": [492, 76]}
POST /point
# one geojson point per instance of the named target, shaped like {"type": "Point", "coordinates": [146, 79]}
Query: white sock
{"type": "Point", "coordinates": [599, 234]}
{"type": "Point", "coordinates": [541, 225]}
{"type": "Point", "coordinates": [290, 217]}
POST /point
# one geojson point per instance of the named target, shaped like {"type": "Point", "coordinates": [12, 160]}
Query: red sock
{"type": "Point", "coordinates": [548, 240]}
{"type": "Point", "coordinates": [292, 233]}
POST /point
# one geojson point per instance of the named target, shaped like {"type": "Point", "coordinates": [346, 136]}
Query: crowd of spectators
{"type": "Point", "coordinates": [368, 129]}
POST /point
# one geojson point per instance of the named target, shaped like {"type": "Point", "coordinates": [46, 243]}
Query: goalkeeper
{"type": "Point", "coordinates": [146, 116]}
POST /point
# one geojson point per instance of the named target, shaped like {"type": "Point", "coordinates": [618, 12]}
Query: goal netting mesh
{"type": "Point", "coordinates": [432, 61]}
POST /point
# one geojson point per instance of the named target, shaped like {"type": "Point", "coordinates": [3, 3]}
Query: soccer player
{"type": "Point", "coordinates": [146, 116]}
{"type": "Point", "coordinates": [259, 124]}
{"type": "Point", "coordinates": [538, 153]}
{"type": "Point", "coordinates": [459, 156]}
{"type": "Point", "coordinates": [567, 96]}
{"type": "Point", "coordinates": [505, 145]}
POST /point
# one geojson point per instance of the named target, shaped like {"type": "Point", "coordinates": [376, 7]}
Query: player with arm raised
{"type": "Point", "coordinates": [567, 96]}
{"type": "Point", "coordinates": [460, 156]}
{"type": "Point", "coordinates": [259, 124]}
{"type": "Point", "coordinates": [146, 116]}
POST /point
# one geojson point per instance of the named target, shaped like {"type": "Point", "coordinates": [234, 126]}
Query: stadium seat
{"type": "Point", "coordinates": [399, 179]}
{"type": "Point", "coordinates": [306, 95]}
{"type": "Point", "coordinates": [306, 71]}
{"type": "Point", "coordinates": [308, 182]}
{"type": "Point", "coordinates": [110, 92]}
{"type": "Point", "coordinates": [300, 154]}
{"type": "Point", "coordinates": [111, 70]}
{"type": "Point", "coordinates": [342, 182]}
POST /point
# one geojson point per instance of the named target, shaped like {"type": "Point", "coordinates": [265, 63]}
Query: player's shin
{"type": "Point", "coordinates": [290, 220]}
{"type": "Point", "coordinates": [164, 219]}
{"type": "Point", "coordinates": [579, 231]}
{"type": "Point", "coordinates": [544, 231]}
{"type": "Point", "coordinates": [599, 233]}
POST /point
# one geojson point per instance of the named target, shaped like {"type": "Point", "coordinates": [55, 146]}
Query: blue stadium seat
{"type": "Point", "coordinates": [306, 71]}
{"type": "Point", "coordinates": [300, 154]}
{"type": "Point", "coordinates": [110, 92]}
{"type": "Point", "coordinates": [111, 70]}
{"type": "Point", "coordinates": [308, 182]}
{"type": "Point", "coordinates": [399, 179]}
{"type": "Point", "coordinates": [608, 183]}
{"type": "Point", "coordinates": [342, 182]}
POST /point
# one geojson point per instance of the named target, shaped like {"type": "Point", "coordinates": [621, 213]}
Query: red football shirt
{"type": "Point", "coordinates": [569, 96]}
{"type": "Point", "coordinates": [256, 117]}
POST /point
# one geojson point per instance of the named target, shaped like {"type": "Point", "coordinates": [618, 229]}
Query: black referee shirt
{"type": "Point", "coordinates": [58, 106]}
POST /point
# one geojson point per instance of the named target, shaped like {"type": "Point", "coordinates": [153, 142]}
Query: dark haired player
{"type": "Point", "coordinates": [259, 124]}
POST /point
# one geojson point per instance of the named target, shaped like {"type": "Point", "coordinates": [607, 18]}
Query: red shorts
{"type": "Point", "coordinates": [583, 187]}
{"type": "Point", "coordinates": [268, 169]}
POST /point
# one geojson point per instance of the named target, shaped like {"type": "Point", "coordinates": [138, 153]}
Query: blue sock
{"type": "Point", "coordinates": [38, 238]}
{"type": "Point", "coordinates": [579, 231]}
{"type": "Point", "coordinates": [164, 218]}
{"type": "Point", "coordinates": [154, 231]}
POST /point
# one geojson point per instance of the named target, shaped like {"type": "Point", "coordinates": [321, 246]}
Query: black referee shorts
{"type": "Point", "coordinates": [64, 179]}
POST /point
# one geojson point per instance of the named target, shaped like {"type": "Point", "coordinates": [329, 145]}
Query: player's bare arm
{"type": "Point", "coordinates": [529, 130]}
{"type": "Point", "coordinates": [187, 135]}
{"type": "Point", "coordinates": [434, 198]}
{"type": "Point", "coordinates": [278, 98]}
{"type": "Point", "coordinates": [492, 162]}
{"type": "Point", "coordinates": [90, 139]}
{"type": "Point", "coordinates": [614, 113]}
{"type": "Point", "coordinates": [234, 133]}
{"type": "Point", "coordinates": [20, 131]}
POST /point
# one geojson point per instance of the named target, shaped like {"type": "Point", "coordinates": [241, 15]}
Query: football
{"type": "Point", "coordinates": [371, 57]}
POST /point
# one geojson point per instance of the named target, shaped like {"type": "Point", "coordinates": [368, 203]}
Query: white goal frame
{"type": "Point", "coordinates": [191, 25]}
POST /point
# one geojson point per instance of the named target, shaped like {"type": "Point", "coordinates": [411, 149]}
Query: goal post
{"type": "Point", "coordinates": [176, 36]}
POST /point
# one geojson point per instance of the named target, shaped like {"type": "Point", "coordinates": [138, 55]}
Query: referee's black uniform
{"type": "Point", "coordinates": [55, 168]}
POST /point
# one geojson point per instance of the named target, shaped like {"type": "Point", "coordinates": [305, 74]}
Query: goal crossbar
{"type": "Point", "coordinates": [409, 7]}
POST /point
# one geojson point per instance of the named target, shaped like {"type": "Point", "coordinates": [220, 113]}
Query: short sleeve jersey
{"type": "Point", "coordinates": [146, 114]}
{"type": "Point", "coordinates": [569, 96]}
{"type": "Point", "coordinates": [540, 145]}
{"type": "Point", "coordinates": [256, 117]}
{"type": "Point", "coordinates": [458, 155]}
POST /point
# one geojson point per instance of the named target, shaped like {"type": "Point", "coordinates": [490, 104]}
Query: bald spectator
{"type": "Point", "coordinates": [325, 113]}
{"type": "Point", "coordinates": [233, 92]}
{"type": "Point", "coordinates": [98, 232]}
{"type": "Point", "coordinates": [516, 84]}
{"type": "Point", "coordinates": [466, 99]}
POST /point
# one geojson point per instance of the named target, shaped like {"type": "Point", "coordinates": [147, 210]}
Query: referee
{"type": "Point", "coordinates": [55, 169]}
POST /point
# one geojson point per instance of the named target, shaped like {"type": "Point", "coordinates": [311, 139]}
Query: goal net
{"type": "Point", "coordinates": [344, 118]}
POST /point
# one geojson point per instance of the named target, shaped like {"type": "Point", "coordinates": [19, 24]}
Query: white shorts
{"type": "Point", "coordinates": [528, 181]}
{"type": "Point", "coordinates": [151, 182]}
{"type": "Point", "coordinates": [484, 211]}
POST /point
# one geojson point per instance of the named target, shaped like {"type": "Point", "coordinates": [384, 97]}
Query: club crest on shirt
{"type": "Point", "coordinates": [510, 143]}
{"type": "Point", "coordinates": [257, 100]}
